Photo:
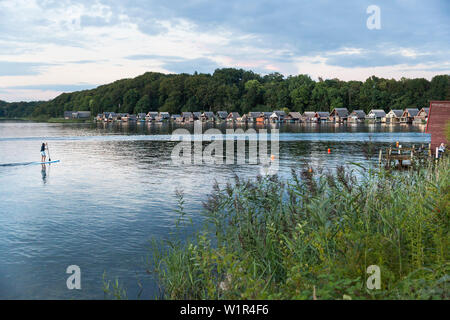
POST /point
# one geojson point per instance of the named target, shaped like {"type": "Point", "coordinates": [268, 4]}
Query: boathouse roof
{"type": "Point", "coordinates": [341, 112]}
{"type": "Point", "coordinates": [424, 111]}
{"type": "Point", "coordinates": [222, 114]}
{"type": "Point", "coordinates": [309, 114]}
{"type": "Point", "coordinates": [396, 113]}
{"type": "Point", "coordinates": [360, 114]}
{"type": "Point", "coordinates": [377, 113]}
{"type": "Point", "coordinates": [280, 113]}
{"type": "Point", "coordinates": [233, 115]}
{"type": "Point", "coordinates": [208, 114]}
{"type": "Point", "coordinates": [322, 114]}
{"type": "Point", "coordinates": [410, 112]}
{"type": "Point", "coordinates": [254, 114]}
{"type": "Point", "coordinates": [294, 115]}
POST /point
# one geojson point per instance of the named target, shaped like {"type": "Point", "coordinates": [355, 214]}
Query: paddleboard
{"type": "Point", "coordinates": [55, 161]}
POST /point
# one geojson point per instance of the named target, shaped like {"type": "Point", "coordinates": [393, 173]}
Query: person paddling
{"type": "Point", "coordinates": [43, 155]}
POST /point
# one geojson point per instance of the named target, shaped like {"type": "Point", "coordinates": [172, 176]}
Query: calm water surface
{"type": "Point", "coordinates": [114, 190]}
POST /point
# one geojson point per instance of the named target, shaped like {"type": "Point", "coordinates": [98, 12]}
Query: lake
{"type": "Point", "coordinates": [115, 189]}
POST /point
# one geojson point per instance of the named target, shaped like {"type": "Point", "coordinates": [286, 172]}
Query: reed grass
{"type": "Point", "coordinates": [314, 236]}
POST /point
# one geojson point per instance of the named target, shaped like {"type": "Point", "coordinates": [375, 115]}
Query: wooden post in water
{"type": "Point", "coordinates": [379, 156]}
{"type": "Point", "coordinates": [389, 157]}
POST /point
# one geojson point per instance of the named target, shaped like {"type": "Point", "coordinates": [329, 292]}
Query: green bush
{"type": "Point", "coordinates": [314, 236]}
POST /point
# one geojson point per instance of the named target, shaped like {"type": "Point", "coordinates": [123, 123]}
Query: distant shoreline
{"type": "Point", "coordinates": [49, 120]}
{"type": "Point", "coordinates": [62, 120]}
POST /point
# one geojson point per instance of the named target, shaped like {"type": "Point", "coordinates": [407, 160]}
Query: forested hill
{"type": "Point", "coordinates": [18, 109]}
{"type": "Point", "coordinates": [243, 91]}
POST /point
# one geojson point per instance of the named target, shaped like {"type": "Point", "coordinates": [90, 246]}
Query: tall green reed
{"type": "Point", "coordinates": [272, 239]}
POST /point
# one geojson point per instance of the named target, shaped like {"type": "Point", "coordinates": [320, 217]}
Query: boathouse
{"type": "Point", "coordinates": [408, 115]}
{"type": "Point", "coordinates": [339, 115]}
{"type": "Point", "coordinates": [253, 115]}
{"type": "Point", "coordinates": [68, 114]}
{"type": "Point", "coordinates": [277, 116]}
{"type": "Point", "coordinates": [261, 118]}
{"type": "Point", "coordinates": [243, 119]}
{"type": "Point", "coordinates": [187, 116]}
{"type": "Point", "coordinates": [151, 115]}
{"type": "Point", "coordinates": [280, 115]}
{"type": "Point", "coordinates": [394, 116]}
{"type": "Point", "coordinates": [232, 116]}
{"type": "Point", "coordinates": [222, 115]}
{"type": "Point", "coordinates": [266, 115]}
{"type": "Point", "coordinates": [357, 116]}
{"type": "Point", "coordinates": [309, 116]}
{"type": "Point", "coordinates": [293, 117]}
{"type": "Point", "coordinates": [124, 117]}
{"type": "Point", "coordinates": [322, 115]}
{"type": "Point", "coordinates": [376, 115]}
{"type": "Point", "coordinates": [207, 116]}
{"type": "Point", "coordinates": [196, 115]}
{"type": "Point", "coordinates": [164, 115]}
{"type": "Point", "coordinates": [112, 116]}
{"type": "Point", "coordinates": [422, 116]}
{"type": "Point", "coordinates": [77, 114]}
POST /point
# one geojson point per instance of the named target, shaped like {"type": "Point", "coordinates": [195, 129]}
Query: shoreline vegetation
{"type": "Point", "coordinates": [46, 120]}
{"type": "Point", "coordinates": [237, 90]}
{"type": "Point", "coordinates": [314, 237]}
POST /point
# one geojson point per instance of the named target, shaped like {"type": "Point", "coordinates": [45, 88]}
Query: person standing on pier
{"type": "Point", "coordinates": [441, 150]}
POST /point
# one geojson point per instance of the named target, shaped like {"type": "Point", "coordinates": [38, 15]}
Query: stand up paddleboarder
{"type": "Point", "coordinates": [43, 155]}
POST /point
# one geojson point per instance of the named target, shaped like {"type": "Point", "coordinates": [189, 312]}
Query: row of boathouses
{"type": "Point", "coordinates": [339, 115]}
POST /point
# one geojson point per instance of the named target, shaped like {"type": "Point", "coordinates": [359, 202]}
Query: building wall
{"type": "Point", "coordinates": [438, 117]}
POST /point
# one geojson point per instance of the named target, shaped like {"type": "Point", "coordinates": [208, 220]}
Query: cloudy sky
{"type": "Point", "coordinates": [48, 47]}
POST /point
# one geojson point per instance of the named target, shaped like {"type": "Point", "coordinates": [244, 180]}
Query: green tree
{"type": "Point", "coordinates": [129, 101]}
{"type": "Point", "coordinates": [239, 90]}
{"type": "Point", "coordinates": [319, 98]}
{"type": "Point", "coordinates": [143, 105]}
{"type": "Point", "coordinates": [440, 88]}
{"type": "Point", "coordinates": [253, 95]}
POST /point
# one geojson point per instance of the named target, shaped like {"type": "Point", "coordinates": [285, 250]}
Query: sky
{"type": "Point", "coordinates": [48, 47]}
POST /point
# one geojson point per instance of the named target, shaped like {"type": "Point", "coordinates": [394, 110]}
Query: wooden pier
{"type": "Point", "coordinates": [395, 157]}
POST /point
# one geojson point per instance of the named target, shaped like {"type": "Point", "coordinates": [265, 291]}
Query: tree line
{"type": "Point", "coordinates": [242, 91]}
{"type": "Point", "coordinates": [18, 109]}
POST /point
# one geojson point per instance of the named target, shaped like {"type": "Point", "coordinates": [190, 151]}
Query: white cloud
{"type": "Point", "coordinates": [316, 67]}
{"type": "Point", "coordinates": [53, 33]}
{"type": "Point", "coordinates": [25, 94]}
{"type": "Point", "coordinates": [346, 51]}
{"type": "Point", "coordinates": [106, 46]}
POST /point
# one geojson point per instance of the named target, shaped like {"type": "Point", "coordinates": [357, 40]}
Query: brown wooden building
{"type": "Point", "coordinates": [422, 116]}
{"type": "Point", "coordinates": [438, 118]}
{"type": "Point", "coordinates": [339, 115]}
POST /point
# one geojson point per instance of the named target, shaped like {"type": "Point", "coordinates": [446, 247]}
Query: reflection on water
{"type": "Point", "coordinates": [114, 189]}
{"type": "Point", "coordinates": [44, 173]}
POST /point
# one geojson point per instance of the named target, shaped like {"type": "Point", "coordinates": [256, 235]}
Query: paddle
{"type": "Point", "coordinates": [48, 149]}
